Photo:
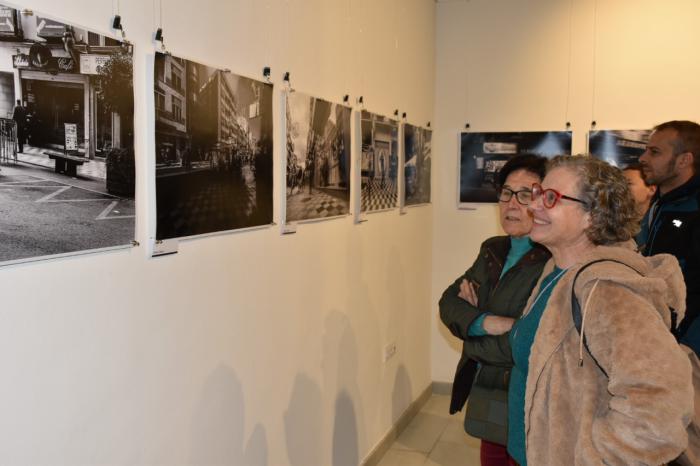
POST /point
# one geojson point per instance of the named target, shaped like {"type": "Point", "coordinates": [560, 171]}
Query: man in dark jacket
{"type": "Point", "coordinates": [481, 306]}
{"type": "Point", "coordinates": [672, 224]}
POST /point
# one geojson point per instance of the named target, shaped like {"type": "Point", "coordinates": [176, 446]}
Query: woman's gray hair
{"type": "Point", "coordinates": [607, 197]}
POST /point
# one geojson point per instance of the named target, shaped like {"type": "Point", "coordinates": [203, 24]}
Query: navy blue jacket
{"type": "Point", "coordinates": [672, 226]}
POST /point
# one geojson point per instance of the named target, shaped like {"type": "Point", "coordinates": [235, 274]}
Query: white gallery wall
{"type": "Point", "coordinates": [249, 348]}
{"type": "Point", "coordinates": [511, 65]}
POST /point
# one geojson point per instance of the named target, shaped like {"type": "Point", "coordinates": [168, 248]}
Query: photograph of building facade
{"type": "Point", "coordinates": [318, 158]}
{"type": "Point", "coordinates": [620, 148]}
{"type": "Point", "coordinates": [66, 137]}
{"type": "Point", "coordinates": [213, 149]}
{"type": "Point", "coordinates": [417, 165]}
{"type": "Point", "coordinates": [380, 162]}
{"type": "Point", "coordinates": [484, 154]}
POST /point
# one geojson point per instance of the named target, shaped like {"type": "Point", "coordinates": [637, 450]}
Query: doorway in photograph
{"type": "Point", "coordinates": [49, 106]}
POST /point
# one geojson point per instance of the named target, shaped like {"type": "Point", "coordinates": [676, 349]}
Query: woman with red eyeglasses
{"type": "Point", "coordinates": [614, 389]}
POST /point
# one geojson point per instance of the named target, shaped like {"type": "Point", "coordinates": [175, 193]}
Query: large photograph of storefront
{"type": "Point", "coordinates": [213, 149]}
{"type": "Point", "coordinates": [66, 138]}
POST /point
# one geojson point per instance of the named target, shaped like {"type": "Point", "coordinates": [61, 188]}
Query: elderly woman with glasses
{"type": "Point", "coordinates": [598, 377]}
{"type": "Point", "coordinates": [482, 304]}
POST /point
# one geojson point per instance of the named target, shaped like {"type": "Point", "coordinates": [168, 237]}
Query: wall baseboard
{"type": "Point", "coordinates": [378, 452]}
{"type": "Point", "coordinates": [442, 388]}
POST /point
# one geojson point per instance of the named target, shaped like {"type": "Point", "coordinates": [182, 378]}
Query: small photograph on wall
{"type": "Point", "coordinates": [380, 163]}
{"type": "Point", "coordinates": [621, 148]}
{"type": "Point", "coordinates": [67, 166]}
{"type": "Point", "coordinates": [482, 155]}
{"type": "Point", "coordinates": [318, 158]}
{"type": "Point", "coordinates": [418, 158]}
{"type": "Point", "coordinates": [213, 149]}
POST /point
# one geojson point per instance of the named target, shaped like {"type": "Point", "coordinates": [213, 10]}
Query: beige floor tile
{"type": "Point", "coordinates": [453, 454]}
{"type": "Point", "coordinates": [438, 405]}
{"type": "Point", "coordinates": [395, 457]}
{"type": "Point", "coordinates": [454, 433]}
{"type": "Point", "coordinates": [422, 433]}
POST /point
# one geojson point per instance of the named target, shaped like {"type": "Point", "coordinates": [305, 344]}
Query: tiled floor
{"type": "Point", "coordinates": [434, 438]}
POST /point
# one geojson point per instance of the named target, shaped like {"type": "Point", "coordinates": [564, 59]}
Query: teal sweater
{"type": "Point", "coordinates": [522, 336]}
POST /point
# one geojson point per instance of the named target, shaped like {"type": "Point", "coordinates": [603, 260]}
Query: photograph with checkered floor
{"type": "Point", "coordinates": [318, 158]}
{"type": "Point", "coordinates": [380, 161]}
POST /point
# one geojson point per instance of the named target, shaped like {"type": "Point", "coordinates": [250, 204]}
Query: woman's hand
{"type": "Point", "coordinates": [498, 325]}
{"type": "Point", "coordinates": [468, 292]}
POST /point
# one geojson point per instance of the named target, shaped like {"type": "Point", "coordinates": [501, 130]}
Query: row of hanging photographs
{"type": "Point", "coordinates": [482, 155]}
{"type": "Point", "coordinates": [67, 163]}
{"type": "Point", "coordinates": [214, 154]}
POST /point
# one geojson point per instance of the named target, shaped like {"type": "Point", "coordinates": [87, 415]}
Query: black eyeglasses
{"type": "Point", "coordinates": [550, 197]}
{"type": "Point", "coordinates": [524, 196]}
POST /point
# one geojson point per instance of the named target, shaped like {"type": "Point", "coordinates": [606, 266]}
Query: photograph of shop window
{"type": "Point", "coordinates": [380, 162]}
{"type": "Point", "coordinates": [66, 138]}
{"type": "Point", "coordinates": [318, 158]}
{"type": "Point", "coordinates": [621, 148]}
{"type": "Point", "coordinates": [484, 154]}
{"type": "Point", "coordinates": [418, 157]}
{"type": "Point", "coordinates": [213, 149]}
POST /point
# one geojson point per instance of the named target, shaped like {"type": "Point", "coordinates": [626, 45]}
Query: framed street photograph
{"type": "Point", "coordinates": [318, 158]}
{"type": "Point", "coordinates": [379, 163]}
{"type": "Point", "coordinates": [213, 149]}
{"type": "Point", "coordinates": [67, 166]}
{"type": "Point", "coordinates": [417, 164]}
{"type": "Point", "coordinates": [621, 148]}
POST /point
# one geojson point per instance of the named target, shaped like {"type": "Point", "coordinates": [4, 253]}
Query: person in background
{"type": "Point", "coordinates": [642, 192]}
{"type": "Point", "coordinates": [616, 389]}
{"type": "Point", "coordinates": [482, 304]}
{"type": "Point", "coordinates": [671, 162]}
{"type": "Point", "coordinates": [19, 114]}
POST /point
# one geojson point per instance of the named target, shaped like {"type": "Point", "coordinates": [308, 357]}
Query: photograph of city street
{"type": "Point", "coordinates": [482, 155]}
{"type": "Point", "coordinates": [318, 158]}
{"type": "Point", "coordinates": [418, 152]}
{"type": "Point", "coordinates": [66, 138]}
{"type": "Point", "coordinates": [380, 162]}
{"type": "Point", "coordinates": [213, 149]}
{"type": "Point", "coordinates": [620, 148]}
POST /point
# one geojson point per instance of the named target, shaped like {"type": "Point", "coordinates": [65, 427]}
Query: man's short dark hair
{"type": "Point", "coordinates": [532, 163]}
{"type": "Point", "coordinates": [687, 139]}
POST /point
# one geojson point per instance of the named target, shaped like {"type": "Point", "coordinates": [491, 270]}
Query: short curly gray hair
{"type": "Point", "coordinates": [607, 197]}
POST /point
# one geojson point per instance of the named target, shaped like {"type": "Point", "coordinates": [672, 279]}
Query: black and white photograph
{"type": "Point", "coordinates": [318, 158]}
{"type": "Point", "coordinates": [67, 166]}
{"type": "Point", "coordinates": [380, 163]}
{"type": "Point", "coordinates": [620, 148]}
{"type": "Point", "coordinates": [482, 155]}
{"type": "Point", "coordinates": [213, 149]}
{"type": "Point", "coordinates": [418, 153]}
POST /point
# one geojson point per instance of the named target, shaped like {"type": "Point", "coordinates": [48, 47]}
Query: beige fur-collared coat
{"type": "Point", "coordinates": [574, 414]}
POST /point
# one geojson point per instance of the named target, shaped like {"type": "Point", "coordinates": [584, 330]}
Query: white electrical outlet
{"type": "Point", "coordinates": [389, 351]}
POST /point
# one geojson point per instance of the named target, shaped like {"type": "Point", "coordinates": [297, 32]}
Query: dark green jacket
{"type": "Point", "coordinates": [504, 297]}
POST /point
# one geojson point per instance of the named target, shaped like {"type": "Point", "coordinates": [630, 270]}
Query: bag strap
{"type": "Point", "coordinates": [576, 314]}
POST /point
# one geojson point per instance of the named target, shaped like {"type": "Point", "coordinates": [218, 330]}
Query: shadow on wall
{"type": "Point", "coordinates": [218, 425]}
{"type": "Point", "coordinates": [303, 423]}
{"type": "Point", "coordinates": [402, 395]}
{"type": "Point", "coordinates": [340, 369]}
